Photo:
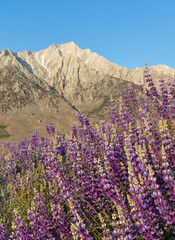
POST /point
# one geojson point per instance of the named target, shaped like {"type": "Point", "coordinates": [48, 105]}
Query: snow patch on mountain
{"type": "Point", "coordinates": [40, 60]}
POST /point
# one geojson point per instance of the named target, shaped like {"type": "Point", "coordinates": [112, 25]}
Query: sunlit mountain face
{"type": "Point", "coordinates": [54, 84]}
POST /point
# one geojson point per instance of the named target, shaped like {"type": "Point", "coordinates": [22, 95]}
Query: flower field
{"type": "Point", "coordinates": [114, 179]}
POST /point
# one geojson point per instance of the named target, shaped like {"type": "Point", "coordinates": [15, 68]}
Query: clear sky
{"type": "Point", "coordinates": [125, 32]}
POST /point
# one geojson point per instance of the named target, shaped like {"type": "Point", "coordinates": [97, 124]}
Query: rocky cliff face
{"type": "Point", "coordinates": [52, 84]}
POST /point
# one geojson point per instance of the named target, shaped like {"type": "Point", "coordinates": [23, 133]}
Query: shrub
{"type": "Point", "coordinates": [113, 179]}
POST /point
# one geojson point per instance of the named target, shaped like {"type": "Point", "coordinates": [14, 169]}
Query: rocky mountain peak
{"type": "Point", "coordinates": [68, 48]}
{"type": "Point", "coordinates": [6, 52]}
{"type": "Point", "coordinates": [56, 82]}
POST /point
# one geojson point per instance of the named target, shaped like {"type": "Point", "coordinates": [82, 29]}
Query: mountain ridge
{"type": "Point", "coordinates": [70, 48]}
{"type": "Point", "coordinates": [62, 79]}
{"type": "Point", "coordinates": [42, 63]}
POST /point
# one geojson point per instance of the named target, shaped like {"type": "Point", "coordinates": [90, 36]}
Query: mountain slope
{"type": "Point", "coordinates": [28, 104]}
{"type": "Point", "coordinates": [53, 84]}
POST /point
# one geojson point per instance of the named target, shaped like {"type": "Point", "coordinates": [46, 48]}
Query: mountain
{"type": "Point", "coordinates": [53, 84]}
{"type": "Point", "coordinates": [67, 61]}
{"type": "Point", "coordinates": [28, 103]}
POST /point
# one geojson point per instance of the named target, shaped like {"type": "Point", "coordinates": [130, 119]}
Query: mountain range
{"type": "Point", "coordinates": [54, 84]}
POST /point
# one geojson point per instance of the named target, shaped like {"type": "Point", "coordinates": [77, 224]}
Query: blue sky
{"type": "Point", "coordinates": [125, 32]}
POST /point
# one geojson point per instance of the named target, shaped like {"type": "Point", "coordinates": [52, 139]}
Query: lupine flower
{"type": "Point", "coordinates": [113, 179]}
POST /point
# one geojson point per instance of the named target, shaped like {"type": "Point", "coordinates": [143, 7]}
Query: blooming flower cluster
{"type": "Point", "coordinates": [113, 179]}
